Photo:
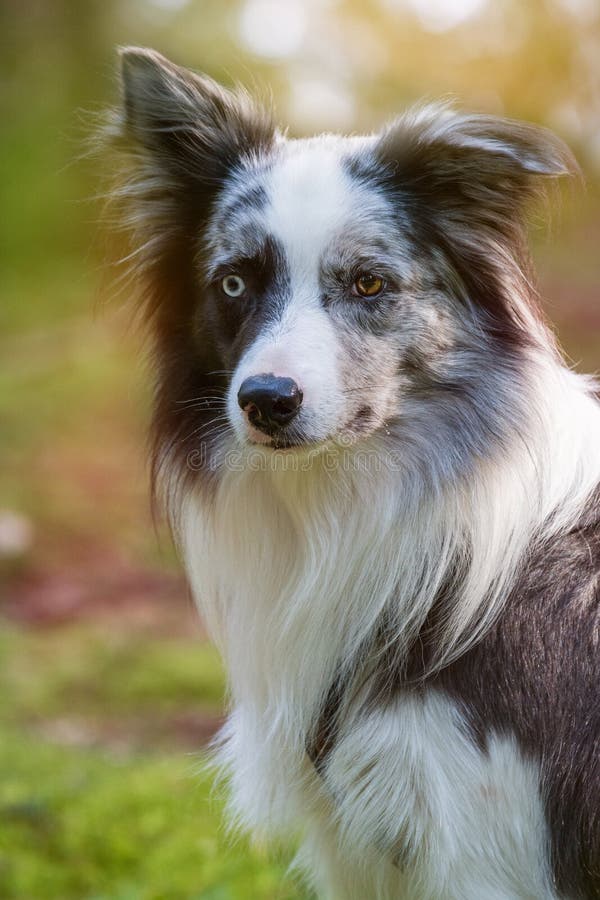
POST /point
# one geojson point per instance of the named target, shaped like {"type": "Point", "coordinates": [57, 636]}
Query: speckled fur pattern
{"type": "Point", "coordinates": [403, 582]}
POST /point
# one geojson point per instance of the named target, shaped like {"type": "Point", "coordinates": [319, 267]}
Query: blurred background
{"type": "Point", "coordinates": [109, 690]}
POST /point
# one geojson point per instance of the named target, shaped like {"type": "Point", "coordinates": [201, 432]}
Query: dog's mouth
{"type": "Point", "coordinates": [294, 438]}
{"type": "Point", "coordinates": [281, 441]}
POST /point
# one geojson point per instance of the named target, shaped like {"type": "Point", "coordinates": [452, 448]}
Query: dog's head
{"type": "Point", "coordinates": [305, 292]}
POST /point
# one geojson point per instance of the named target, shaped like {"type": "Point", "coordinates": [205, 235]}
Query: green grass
{"type": "Point", "coordinates": [103, 791]}
{"type": "Point", "coordinates": [84, 817]}
{"type": "Point", "coordinates": [80, 824]}
{"type": "Point", "coordinates": [87, 670]}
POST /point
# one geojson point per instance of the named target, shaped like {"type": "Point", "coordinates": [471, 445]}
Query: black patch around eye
{"type": "Point", "coordinates": [238, 320]}
{"type": "Point", "coordinates": [260, 270]}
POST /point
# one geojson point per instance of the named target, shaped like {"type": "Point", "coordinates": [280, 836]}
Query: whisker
{"type": "Point", "coordinates": [200, 409]}
{"type": "Point", "coordinates": [202, 402]}
{"type": "Point", "coordinates": [219, 423]}
{"type": "Point", "coordinates": [206, 395]}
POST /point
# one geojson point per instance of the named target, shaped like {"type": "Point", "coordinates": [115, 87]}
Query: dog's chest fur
{"type": "Point", "coordinates": [291, 590]}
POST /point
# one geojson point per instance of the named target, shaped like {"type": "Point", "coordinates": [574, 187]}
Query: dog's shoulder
{"type": "Point", "coordinates": [532, 679]}
{"type": "Point", "coordinates": [535, 675]}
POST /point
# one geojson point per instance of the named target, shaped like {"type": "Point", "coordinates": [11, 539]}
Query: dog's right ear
{"type": "Point", "coordinates": [192, 128]}
{"type": "Point", "coordinates": [178, 137]}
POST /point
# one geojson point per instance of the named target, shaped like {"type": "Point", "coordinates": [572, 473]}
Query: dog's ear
{"type": "Point", "coordinates": [472, 165]}
{"type": "Point", "coordinates": [469, 180]}
{"type": "Point", "coordinates": [190, 126]}
{"type": "Point", "coordinates": [177, 136]}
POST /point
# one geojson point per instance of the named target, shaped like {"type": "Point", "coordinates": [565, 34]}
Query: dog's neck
{"type": "Point", "coordinates": [294, 566]}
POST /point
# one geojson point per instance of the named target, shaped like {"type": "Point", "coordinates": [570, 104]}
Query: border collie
{"type": "Point", "coordinates": [384, 483]}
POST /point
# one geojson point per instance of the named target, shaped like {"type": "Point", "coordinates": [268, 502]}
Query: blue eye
{"type": "Point", "coordinates": [233, 285]}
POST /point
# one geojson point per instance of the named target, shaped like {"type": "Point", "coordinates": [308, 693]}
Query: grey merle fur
{"type": "Point", "coordinates": [182, 137]}
{"type": "Point", "coordinates": [458, 188]}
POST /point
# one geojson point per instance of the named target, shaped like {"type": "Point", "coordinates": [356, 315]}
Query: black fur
{"type": "Point", "coordinates": [536, 675]}
{"type": "Point", "coordinates": [454, 178]}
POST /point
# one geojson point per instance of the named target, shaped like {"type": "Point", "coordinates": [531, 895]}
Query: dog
{"type": "Point", "coordinates": [384, 481]}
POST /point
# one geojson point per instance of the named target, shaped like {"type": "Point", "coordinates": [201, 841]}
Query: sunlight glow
{"type": "Point", "coordinates": [170, 5]}
{"type": "Point", "coordinates": [273, 28]}
{"type": "Point", "coordinates": [584, 10]}
{"type": "Point", "coordinates": [316, 104]}
{"type": "Point", "coordinates": [441, 15]}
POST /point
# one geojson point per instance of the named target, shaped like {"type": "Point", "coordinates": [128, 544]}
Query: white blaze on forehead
{"type": "Point", "coordinates": [311, 197]}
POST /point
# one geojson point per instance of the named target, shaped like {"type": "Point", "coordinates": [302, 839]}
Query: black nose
{"type": "Point", "coordinates": [269, 402]}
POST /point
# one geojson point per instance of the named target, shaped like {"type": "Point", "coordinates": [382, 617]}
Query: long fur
{"type": "Point", "coordinates": [443, 447]}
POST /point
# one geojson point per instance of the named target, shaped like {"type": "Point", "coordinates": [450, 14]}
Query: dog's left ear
{"type": "Point", "coordinates": [471, 167]}
{"type": "Point", "coordinates": [466, 182]}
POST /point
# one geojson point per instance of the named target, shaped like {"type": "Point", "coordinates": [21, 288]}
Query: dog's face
{"type": "Point", "coordinates": [312, 281]}
{"type": "Point", "coordinates": [316, 291]}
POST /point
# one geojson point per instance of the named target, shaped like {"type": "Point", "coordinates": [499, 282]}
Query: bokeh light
{"type": "Point", "coordinates": [272, 28]}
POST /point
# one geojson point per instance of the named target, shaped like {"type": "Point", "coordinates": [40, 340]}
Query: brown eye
{"type": "Point", "coordinates": [369, 285]}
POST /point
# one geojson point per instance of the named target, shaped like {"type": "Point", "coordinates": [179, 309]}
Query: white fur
{"type": "Point", "coordinates": [295, 559]}
{"type": "Point", "coordinates": [467, 826]}
{"type": "Point", "coordinates": [301, 345]}
{"type": "Point", "coordinates": [292, 569]}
